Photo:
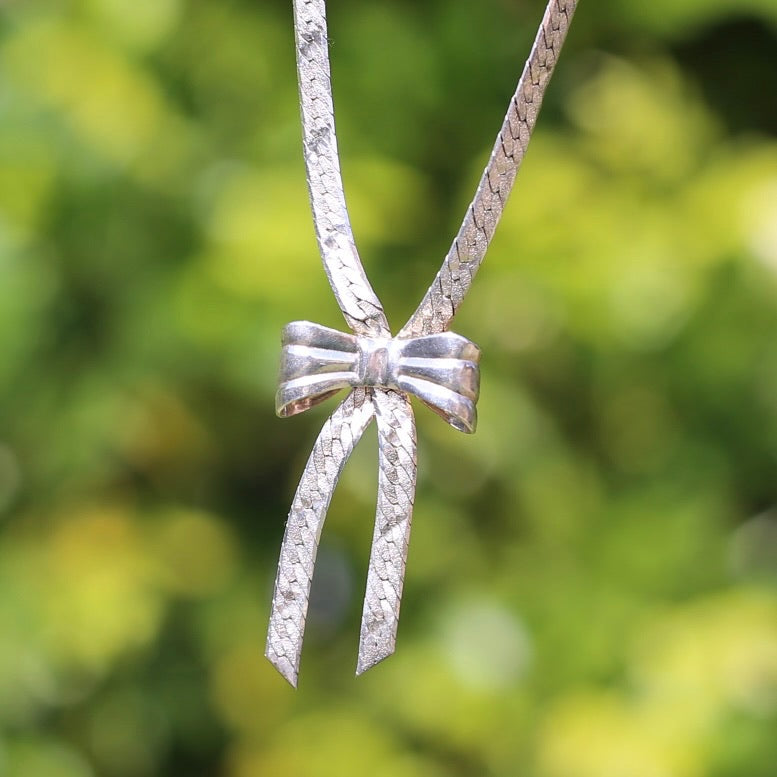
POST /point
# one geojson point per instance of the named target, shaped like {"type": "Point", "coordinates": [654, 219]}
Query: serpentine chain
{"type": "Point", "coordinates": [424, 359]}
{"type": "Point", "coordinates": [359, 303]}
{"type": "Point", "coordinates": [466, 253]}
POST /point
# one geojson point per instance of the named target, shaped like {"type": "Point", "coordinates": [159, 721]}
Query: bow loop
{"type": "Point", "coordinates": [440, 369]}
{"type": "Point", "coordinates": [316, 362]}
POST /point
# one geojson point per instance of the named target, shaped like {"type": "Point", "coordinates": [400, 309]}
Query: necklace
{"type": "Point", "coordinates": [381, 371]}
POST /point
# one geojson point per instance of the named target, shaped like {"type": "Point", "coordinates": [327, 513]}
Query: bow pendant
{"type": "Point", "coordinates": [316, 362]}
{"type": "Point", "coordinates": [425, 360]}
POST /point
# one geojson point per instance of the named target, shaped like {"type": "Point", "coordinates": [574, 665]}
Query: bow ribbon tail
{"type": "Point", "coordinates": [396, 492]}
{"type": "Point", "coordinates": [291, 595]}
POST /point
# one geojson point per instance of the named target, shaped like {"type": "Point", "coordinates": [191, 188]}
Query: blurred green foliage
{"type": "Point", "coordinates": [592, 586]}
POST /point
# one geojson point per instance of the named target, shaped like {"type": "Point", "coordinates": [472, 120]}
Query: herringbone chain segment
{"type": "Point", "coordinates": [334, 445]}
{"type": "Point", "coordinates": [396, 491]}
{"type": "Point", "coordinates": [465, 256]}
{"type": "Point", "coordinates": [359, 303]}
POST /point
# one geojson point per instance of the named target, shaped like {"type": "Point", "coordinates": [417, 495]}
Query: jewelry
{"type": "Point", "coordinates": [381, 371]}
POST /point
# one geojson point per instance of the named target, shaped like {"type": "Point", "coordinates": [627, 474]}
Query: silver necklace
{"type": "Point", "coordinates": [381, 371]}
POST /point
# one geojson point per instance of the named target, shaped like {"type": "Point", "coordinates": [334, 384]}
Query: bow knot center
{"type": "Point", "coordinates": [377, 363]}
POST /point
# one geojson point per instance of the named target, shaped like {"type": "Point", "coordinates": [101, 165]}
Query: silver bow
{"type": "Point", "coordinates": [316, 362]}
{"type": "Point", "coordinates": [441, 370]}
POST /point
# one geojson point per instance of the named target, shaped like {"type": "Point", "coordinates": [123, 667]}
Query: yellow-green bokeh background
{"type": "Point", "coordinates": [592, 583]}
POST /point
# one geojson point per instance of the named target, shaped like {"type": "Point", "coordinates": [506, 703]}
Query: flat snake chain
{"type": "Point", "coordinates": [365, 316]}
{"type": "Point", "coordinates": [360, 305]}
{"type": "Point", "coordinates": [466, 253]}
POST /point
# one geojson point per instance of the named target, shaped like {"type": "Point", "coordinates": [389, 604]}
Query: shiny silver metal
{"type": "Point", "coordinates": [424, 359]}
{"type": "Point", "coordinates": [440, 369]}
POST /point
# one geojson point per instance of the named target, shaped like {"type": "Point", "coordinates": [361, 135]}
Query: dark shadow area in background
{"type": "Point", "coordinates": [719, 56]}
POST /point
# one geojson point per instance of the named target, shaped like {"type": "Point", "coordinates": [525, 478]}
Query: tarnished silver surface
{"type": "Point", "coordinates": [359, 303]}
{"type": "Point", "coordinates": [425, 360]}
